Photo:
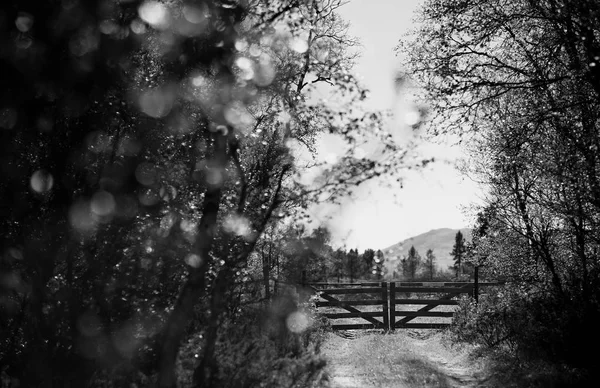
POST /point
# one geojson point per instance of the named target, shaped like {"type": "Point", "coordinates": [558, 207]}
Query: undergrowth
{"type": "Point", "coordinates": [531, 339]}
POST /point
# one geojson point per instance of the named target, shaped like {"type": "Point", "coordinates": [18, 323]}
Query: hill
{"type": "Point", "coordinates": [440, 240]}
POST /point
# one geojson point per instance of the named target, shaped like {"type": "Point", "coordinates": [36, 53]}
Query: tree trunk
{"type": "Point", "coordinates": [193, 289]}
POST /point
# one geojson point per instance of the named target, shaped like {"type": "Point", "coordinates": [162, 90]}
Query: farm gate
{"type": "Point", "coordinates": [394, 305]}
{"type": "Point", "coordinates": [373, 294]}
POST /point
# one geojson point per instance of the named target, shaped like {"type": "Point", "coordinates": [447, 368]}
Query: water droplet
{"type": "Point", "coordinates": [193, 14]}
{"type": "Point", "coordinates": [108, 27]}
{"type": "Point", "coordinates": [245, 68]}
{"type": "Point", "coordinates": [167, 193]}
{"type": "Point", "coordinates": [148, 197]}
{"type": "Point", "coordinates": [241, 45]}
{"type": "Point", "coordinates": [255, 50]}
{"type": "Point", "coordinates": [41, 181]}
{"type": "Point", "coordinates": [298, 45]}
{"type": "Point", "coordinates": [24, 21]}
{"type": "Point", "coordinates": [297, 322]}
{"type": "Point", "coordinates": [214, 176]}
{"type": "Point", "coordinates": [103, 203]}
{"type": "Point", "coordinates": [154, 13]}
{"type": "Point", "coordinates": [81, 217]}
{"type": "Point", "coordinates": [156, 102]}
{"type": "Point", "coordinates": [412, 117]}
{"type": "Point", "coordinates": [199, 81]}
{"type": "Point", "coordinates": [15, 253]}
{"type": "Point", "coordinates": [238, 116]}
{"type": "Point", "coordinates": [138, 27]}
{"type": "Point", "coordinates": [8, 118]}
{"type": "Point", "coordinates": [145, 173]}
{"type": "Point", "coordinates": [265, 71]}
{"type": "Point", "coordinates": [193, 260]}
{"type": "Point", "coordinates": [237, 225]}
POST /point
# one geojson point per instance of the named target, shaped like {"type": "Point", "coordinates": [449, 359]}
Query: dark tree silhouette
{"type": "Point", "coordinates": [459, 250]}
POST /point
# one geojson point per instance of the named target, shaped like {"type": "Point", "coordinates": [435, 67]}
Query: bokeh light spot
{"type": "Point", "coordinates": [145, 173]}
{"type": "Point", "coordinates": [299, 45]}
{"type": "Point", "coordinates": [81, 217]}
{"type": "Point", "coordinates": [237, 225]}
{"type": "Point", "coordinates": [297, 322]}
{"type": "Point", "coordinates": [193, 260]}
{"type": "Point", "coordinates": [103, 203]}
{"type": "Point", "coordinates": [41, 181]}
{"type": "Point", "coordinates": [24, 21]}
{"type": "Point", "coordinates": [154, 13]}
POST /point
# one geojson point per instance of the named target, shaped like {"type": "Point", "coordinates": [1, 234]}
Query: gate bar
{"type": "Point", "coordinates": [384, 297]}
{"type": "Point", "coordinates": [392, 322]}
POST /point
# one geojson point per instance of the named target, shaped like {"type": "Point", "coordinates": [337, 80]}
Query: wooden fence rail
{"type": "Point", "coordinates": [371, 317]}
{"type": "Point", "coordinates": [397, 296]}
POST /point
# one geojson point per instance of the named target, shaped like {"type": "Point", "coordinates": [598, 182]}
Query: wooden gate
{"type": "Point", "coordinates": [430, 296]}
{"type": "Point", "coordinates": [396, 309]}
{"type": "Point", "coordinates": [362, 294]}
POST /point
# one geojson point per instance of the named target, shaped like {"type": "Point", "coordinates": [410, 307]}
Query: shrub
{"type": "Point", "coordinates": [264, 348]}
{"type": "Point", "coordinates": [531, 327]}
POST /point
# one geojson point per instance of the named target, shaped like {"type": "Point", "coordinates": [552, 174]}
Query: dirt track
{"type": "Point", "coordinates": [405, 359]}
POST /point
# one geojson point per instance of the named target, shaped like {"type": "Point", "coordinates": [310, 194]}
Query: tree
{"type": "Point", "coordinates": [368, 259]}
{"type": "Point", "coordinates": [378, 268]}
{"type": "Point", "coordinates": [520, 81]}
{"type": "Point", "coordinates": [458, 252]}
{"type": "Point", "coordinates": [429, 263]}
{"type": "Point", "coordinates": [146, 147]}
{"type": "Point", "coordinates": [352, 264]}
{"type": "Point", "coordinates": [530, 106]}
{"type": "Point", "coordinates": [339, 263]}
{"type": "Point", "coordinates": [411, 263]}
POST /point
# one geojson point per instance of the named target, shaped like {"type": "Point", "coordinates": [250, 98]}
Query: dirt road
{"type": "Point", "coordinates": [404, 359]}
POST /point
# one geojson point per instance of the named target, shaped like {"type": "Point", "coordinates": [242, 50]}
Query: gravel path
{"type": "Point", "coordinates": [404, 359]}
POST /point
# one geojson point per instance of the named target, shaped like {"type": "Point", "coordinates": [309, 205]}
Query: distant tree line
{"type": "Point", "coordinates": [415, 267]}
{"type": "Point", "coordinates": [322, 263]}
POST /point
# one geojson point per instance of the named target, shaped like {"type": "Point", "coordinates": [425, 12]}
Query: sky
{"type": "Point", "coordinates": [436, 198]}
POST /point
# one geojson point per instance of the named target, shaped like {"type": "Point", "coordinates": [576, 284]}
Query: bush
{"type": "Point", "coordinates": [276, 347]}
{"type": "Point", "coordinates": [531, 328]}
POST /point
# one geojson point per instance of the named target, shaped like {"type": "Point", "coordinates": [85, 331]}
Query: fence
{"type": "Point", "coordinates": [393, 300]}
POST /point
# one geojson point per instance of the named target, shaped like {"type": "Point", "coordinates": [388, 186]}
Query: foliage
{"type": "Point", "coordinates": [459, 250]}
{"type": "Point", "coordinates": [411, 264]}
{"type": "Point", "coordinates": [429, 263]}
{"type": "Point", "coordinates": [259, 340]}
{"type": "Point", "coordinates": [527, 326]}
{"type": "Point", "coordinates": [146, 147]}
{"type": "Point", "coordinates": [520, 81]}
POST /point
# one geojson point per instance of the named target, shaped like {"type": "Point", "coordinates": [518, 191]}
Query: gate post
{"type": "Point", "coordinates": [476, 285]}
{"type": "Point", "coordinates": [392, 305]}
{"type": "Point", "coordinates": [384, 297]}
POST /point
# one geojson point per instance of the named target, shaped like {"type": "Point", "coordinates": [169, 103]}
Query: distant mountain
{"type": "Point", "coordinates": [440, 240]}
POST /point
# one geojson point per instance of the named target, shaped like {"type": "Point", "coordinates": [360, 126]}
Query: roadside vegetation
{"type": "Point", "coordinates": [519, 82]}
{"type": "Point", "coordinates": [157, 162]}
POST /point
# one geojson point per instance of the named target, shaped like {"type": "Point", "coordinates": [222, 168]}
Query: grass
{"type": "Point", "coordinates": [395, 366]}
{"type": "Point", "coordinates": [390, 360]}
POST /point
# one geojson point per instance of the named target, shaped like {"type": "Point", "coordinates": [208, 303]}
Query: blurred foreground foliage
{"type": "Point", "coordinates": [519, 82]}
{"type": "Point", "coordinates": [146, 147]}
